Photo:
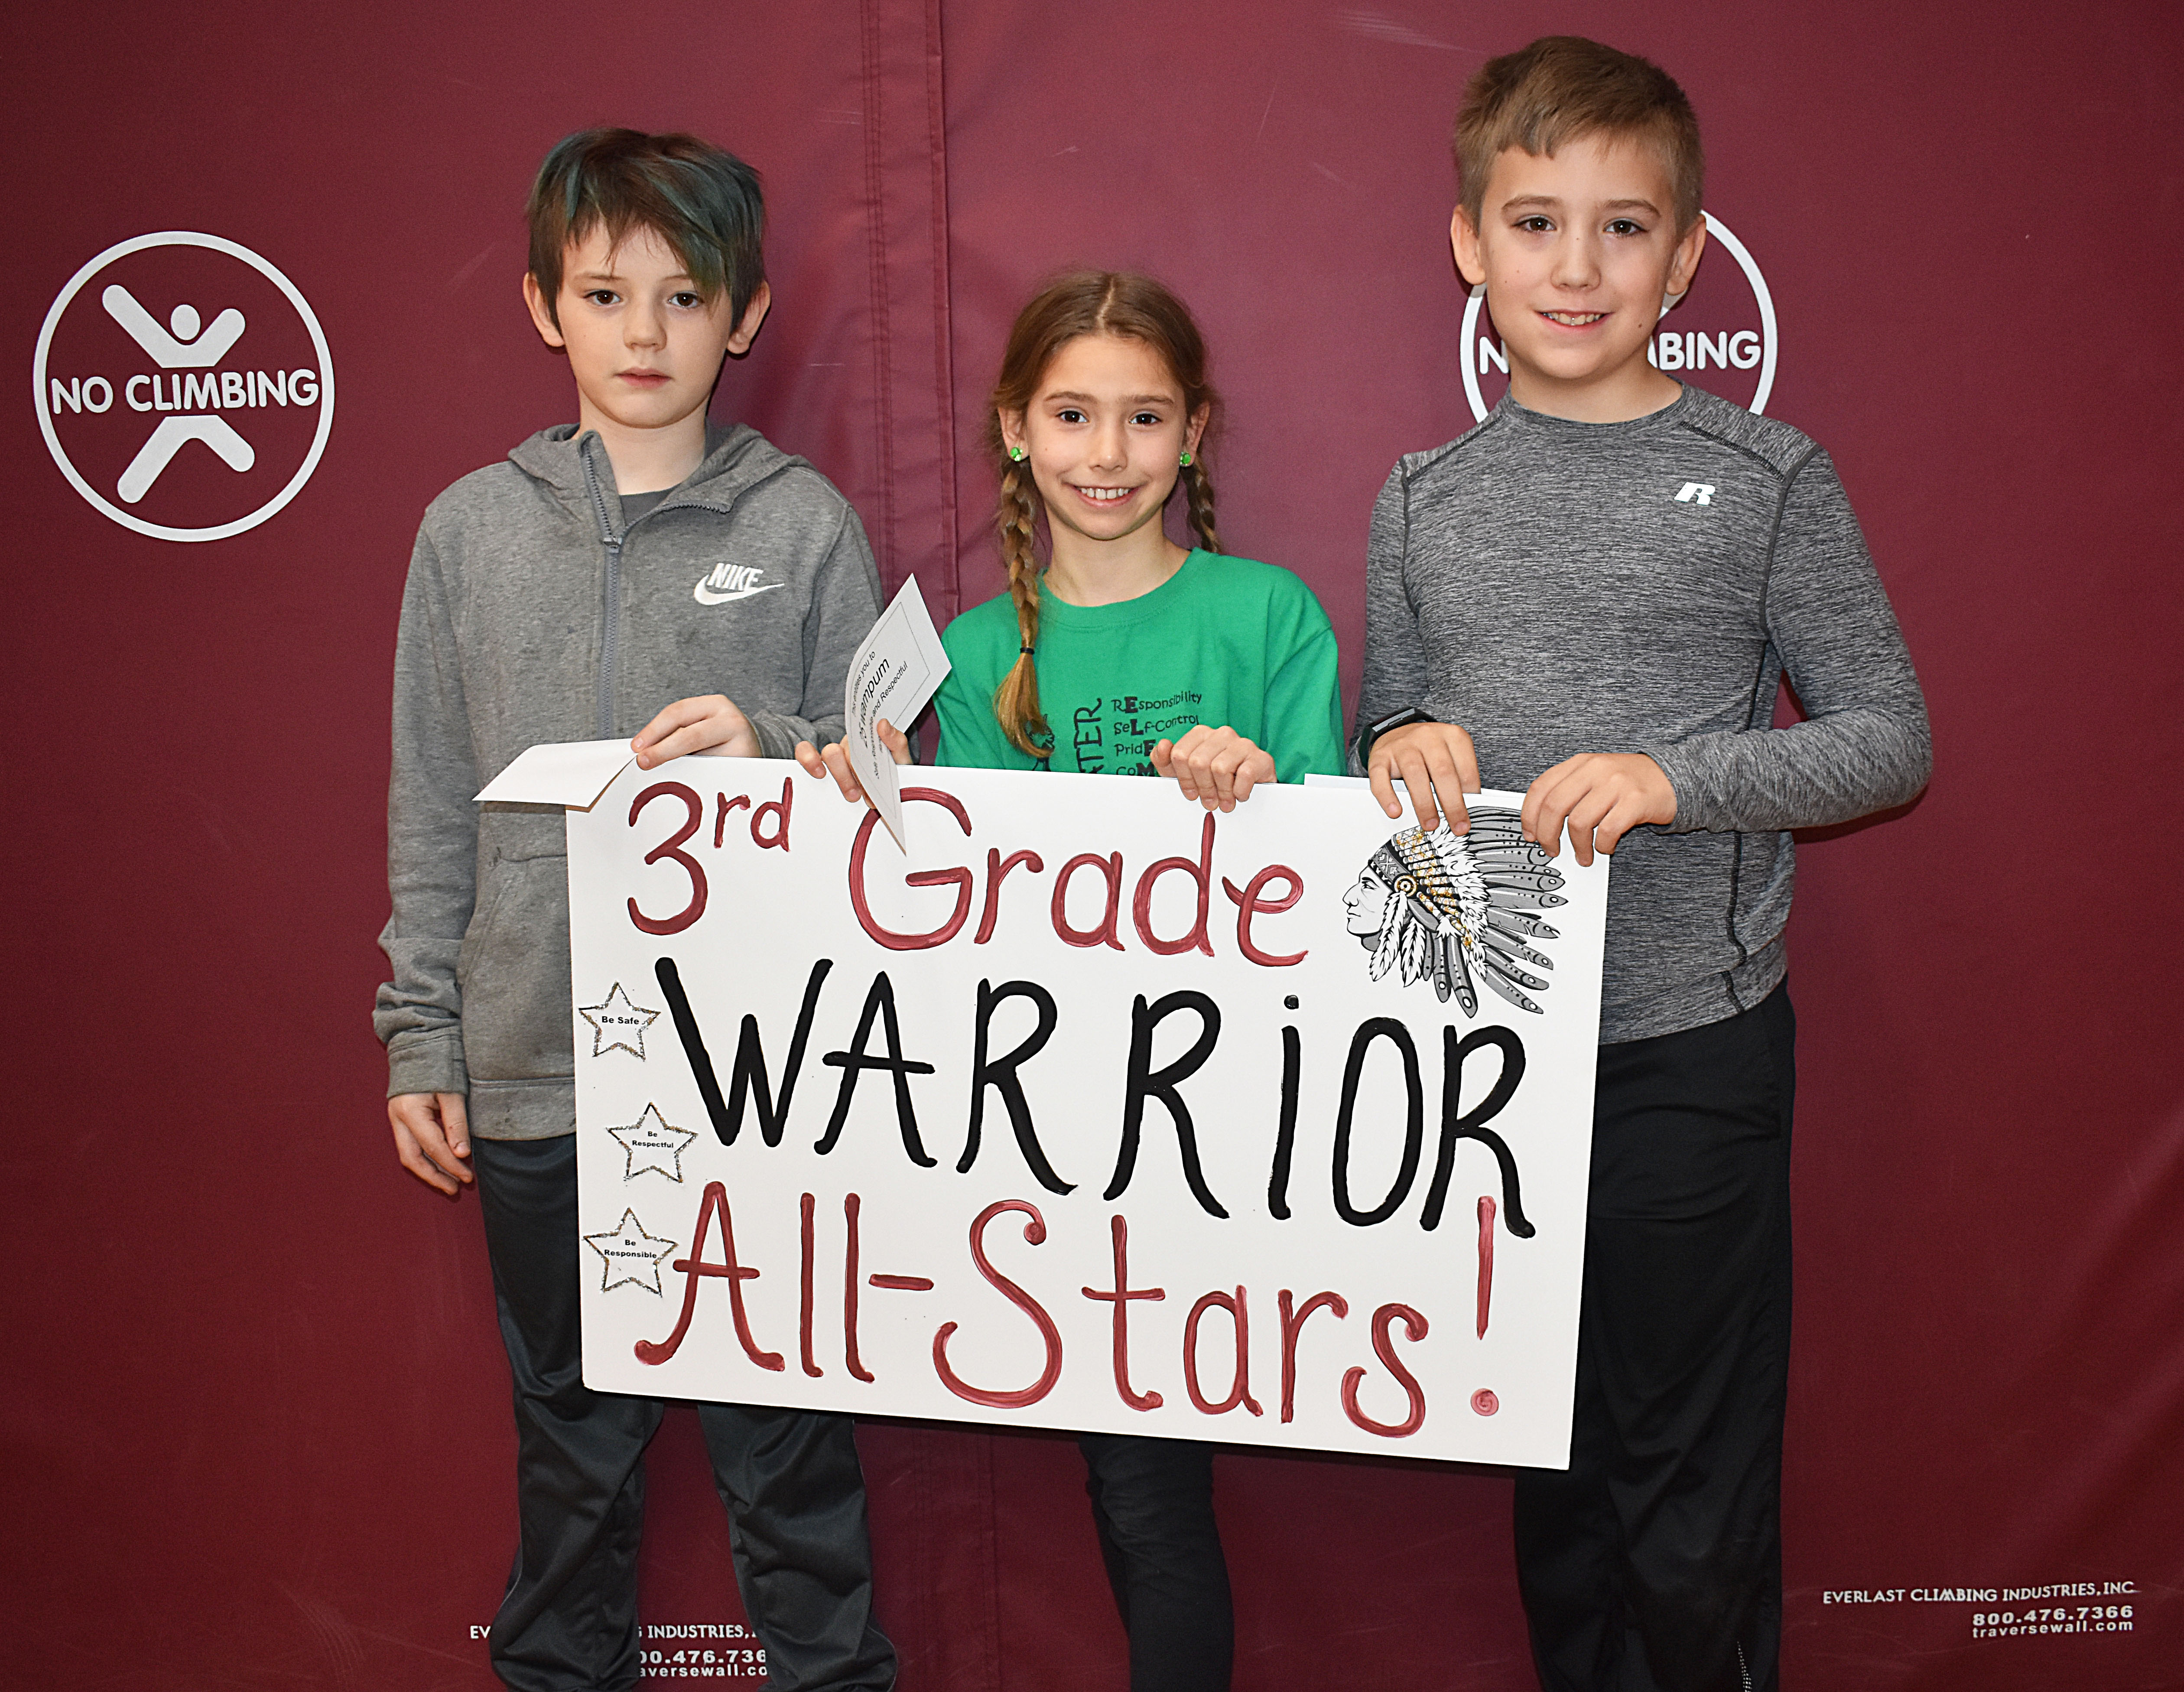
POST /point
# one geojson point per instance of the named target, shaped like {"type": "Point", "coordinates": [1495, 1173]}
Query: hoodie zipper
{"type": "Point", "coordinates": [610, 624]}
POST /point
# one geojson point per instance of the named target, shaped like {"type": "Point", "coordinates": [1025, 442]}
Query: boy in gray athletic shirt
{"type": "Point", "coordinates": [607, 574]}
{"type": "Point", "coordinates": [1592, 596]}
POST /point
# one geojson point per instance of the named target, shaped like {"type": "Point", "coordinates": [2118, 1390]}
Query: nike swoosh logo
{"type": "Point", "coordinates": [705, 596]}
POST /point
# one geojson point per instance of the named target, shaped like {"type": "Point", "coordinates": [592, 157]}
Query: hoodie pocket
{"type": "Point", "coordinates": [513, 970]}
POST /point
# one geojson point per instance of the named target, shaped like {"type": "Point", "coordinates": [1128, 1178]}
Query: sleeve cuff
{"type": "Point", "coordinates": [432, 1062]}
{"type": "Point", "coordinates": [777, 735]}
{"type": "Point", "coordinates": [1683, 780]}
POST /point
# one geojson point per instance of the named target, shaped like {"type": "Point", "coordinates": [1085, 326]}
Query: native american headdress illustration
{"type": "Point", "coordinates": [1458, 909]}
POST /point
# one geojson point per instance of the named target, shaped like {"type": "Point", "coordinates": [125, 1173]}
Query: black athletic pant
{"type": "Point", "coordinates": [1655, 1563]}
{"type": "Point", "coordinates": [1152, 1501]}
{"type": "Point", "coordinates": [790, 1479]}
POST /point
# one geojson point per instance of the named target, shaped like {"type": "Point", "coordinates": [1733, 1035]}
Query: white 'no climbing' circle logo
{"type": "Point", "coordinates": [189, 385]}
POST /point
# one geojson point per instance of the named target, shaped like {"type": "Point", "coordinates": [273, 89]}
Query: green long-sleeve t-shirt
{"type": "Point", "coordinates": [1228, 642]}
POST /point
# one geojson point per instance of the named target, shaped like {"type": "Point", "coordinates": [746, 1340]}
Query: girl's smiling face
{"type": "Point", "coordinates": [1105, 433]}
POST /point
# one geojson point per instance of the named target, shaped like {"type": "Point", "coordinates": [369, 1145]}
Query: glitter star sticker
{"type": "Point", "coordinates": [617, 1023]}
{"type": "Point", "coordinates": [653, 1142]}
{"type": "Point", "coordinates": [630, 1254]}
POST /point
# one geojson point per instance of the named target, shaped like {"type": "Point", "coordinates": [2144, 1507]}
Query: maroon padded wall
{"type": "Point", "coordinates": [254, 1416]}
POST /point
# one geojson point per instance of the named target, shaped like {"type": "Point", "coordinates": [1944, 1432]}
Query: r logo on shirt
{"type": "Point", "coordinates": [1696, 494]}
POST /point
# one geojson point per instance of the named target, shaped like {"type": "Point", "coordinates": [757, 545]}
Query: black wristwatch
{"type": "Point", "coordinates": [1370, 732]}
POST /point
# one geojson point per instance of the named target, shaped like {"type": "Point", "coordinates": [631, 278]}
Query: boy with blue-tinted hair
{"type": "Point", "coordinates": [1543, 612]}
{"type": "Point", "coordinates": [636, 568]}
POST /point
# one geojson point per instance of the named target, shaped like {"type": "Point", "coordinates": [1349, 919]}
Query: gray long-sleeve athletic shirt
{"type": "Point", "coordinates": [1558, 587]}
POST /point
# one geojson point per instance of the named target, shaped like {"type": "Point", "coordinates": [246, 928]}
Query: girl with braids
{"type": "Point", "coordinates": [1125, 653]}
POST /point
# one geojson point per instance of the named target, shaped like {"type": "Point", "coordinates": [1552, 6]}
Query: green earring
{"type": "Point", "coordinates": [1186, 461]}
{"type": "Point", "coordinates": [1017, 455]}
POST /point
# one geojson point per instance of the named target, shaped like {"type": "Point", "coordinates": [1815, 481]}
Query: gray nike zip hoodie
{"type": "Point", "coordinates": [532, 614]}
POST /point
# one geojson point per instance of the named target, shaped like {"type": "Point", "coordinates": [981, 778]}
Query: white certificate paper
{"type": "Point", "coordinates": [572, 773]}
{"type": "Point", "coordinates": [893, 674]}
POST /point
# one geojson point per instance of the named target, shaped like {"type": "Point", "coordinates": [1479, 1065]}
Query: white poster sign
{"type": "Point", "coordinates": [1094, 1111]}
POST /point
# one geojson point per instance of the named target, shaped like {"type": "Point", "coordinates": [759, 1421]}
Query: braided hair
{"type": "Point", "coordinates": [1083, 303]}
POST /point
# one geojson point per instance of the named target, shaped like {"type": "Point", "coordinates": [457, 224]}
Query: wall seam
{"type": "Point", "coordinates": [943, 346]}
{"type": "Point", "coordinates": [876, 202]}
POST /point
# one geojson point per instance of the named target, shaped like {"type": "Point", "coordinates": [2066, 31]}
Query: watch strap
{"type": "Point", "coordinates": [1370, 732]}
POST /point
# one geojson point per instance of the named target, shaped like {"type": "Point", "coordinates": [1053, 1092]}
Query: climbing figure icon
{"type": "Point", "coordinates": [178, 346]}
{"type": "Point", "coordinates": [144, 350]}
